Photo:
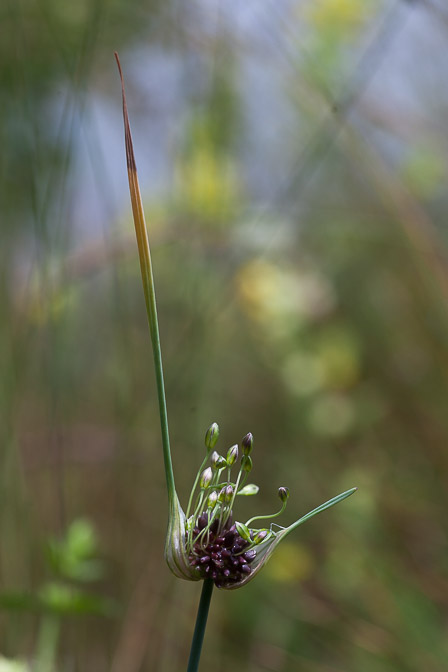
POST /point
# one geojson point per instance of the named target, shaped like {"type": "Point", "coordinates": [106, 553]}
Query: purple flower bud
{"type": "Point", "coordinates": [247, 444]}
{"type": "Point", "coordinates": [229, 538]}
{"type": "Point", "coordinates": [283, 493]}
{"type": "Point", "coordinates": [260, 536]}
{"type": "Point", "coordinates": [202, 521]}
{"type": "Point", "coordinates": [214, 526]}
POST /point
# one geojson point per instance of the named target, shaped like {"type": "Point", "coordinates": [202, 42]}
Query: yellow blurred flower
{"type": "Point", "coordinates": [283, 297]}
{"type": "Point", "coordinates": [339, 16]}
{"type": "Point", "coordinates": [338, 352]}
{"type": "Point", "coordinates": [207, 182]}
{"type": "Point", "coordinates": [291, 563]}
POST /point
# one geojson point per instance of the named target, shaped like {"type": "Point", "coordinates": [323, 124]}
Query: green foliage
{"type": "Point", "coordinates": [66, 600]}
{"type": "Point", "coordinates": [72, 557]}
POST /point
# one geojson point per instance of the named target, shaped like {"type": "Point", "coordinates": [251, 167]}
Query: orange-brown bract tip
{"type": "Point", "coordinates": [127, 130]}
{"type": "Point", "coordinates": [117, 58]}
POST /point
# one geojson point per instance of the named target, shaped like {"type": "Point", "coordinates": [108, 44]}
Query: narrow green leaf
{"type": "Point", "coordinates": [319, 509]}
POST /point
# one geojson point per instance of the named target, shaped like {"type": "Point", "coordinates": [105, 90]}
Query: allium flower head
{"type": "Point", "coordinates": [207, 541]}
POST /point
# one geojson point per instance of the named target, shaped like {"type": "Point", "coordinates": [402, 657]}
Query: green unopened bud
{"type": "Point", "coordinates": [246, 463]}
{"type": "Point", "coordinates": [212, 499]}
{"type": "Point", "coordinates": [260, 536]}
{"type": "Point", "coordinates": [217, 461]}
{"type": "Point", "coordinates": [206, 478]}
{"type": "Point", "coordinates": [232, 455]}
{"type": "Point", "coordinates": [247, 444]}
{"type": "Point", "coordinates": [229, 494]}
{"type": "Point", "coordinates": [222, 495]}
{"type": "Point", "coordinates": [243, 531]}
{"type": "Point", "coordinates": [211, 436]}
{"type": "Point", "coordinates": [283, 493]}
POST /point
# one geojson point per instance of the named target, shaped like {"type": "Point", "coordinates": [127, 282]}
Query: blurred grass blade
{"type": "Point", "coordinates": [148, 287]}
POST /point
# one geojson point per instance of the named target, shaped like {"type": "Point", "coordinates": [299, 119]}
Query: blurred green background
{"type": "Point", "coordinates": [293, 161]}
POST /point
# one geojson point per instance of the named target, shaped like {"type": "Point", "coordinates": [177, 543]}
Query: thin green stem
{"type": "Point", "coordinates": [151, 308]}
{"type": "Point", "coordinates": [272, 515]}
{"type": "Point", "coordinates": [201, 622]}
{"type": "Point", "coordinates": [196, 481]}
{"type": "Point", "coordinates": [322, 507]}
{"type": "Point", "coordinates": [235, 490]}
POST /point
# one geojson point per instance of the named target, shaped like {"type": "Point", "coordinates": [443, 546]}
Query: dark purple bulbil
{"type": "Point", "coordinates": [221, 558]}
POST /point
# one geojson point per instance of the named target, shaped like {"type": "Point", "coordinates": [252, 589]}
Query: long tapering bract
{"type": "Point", "coordinates": [269, 547]}
{"type": "Point", "coordinates": [148, 288]}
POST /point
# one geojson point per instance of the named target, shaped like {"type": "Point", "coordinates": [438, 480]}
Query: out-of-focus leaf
{"type": "Point", "coordinates": [61, 599]}
{"type": "Point", "coordinates": [72, 558]}
{"type": "Point", "coordinates": [81, 539]}
{"type": "Point", "coordinates": [17, 601]}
